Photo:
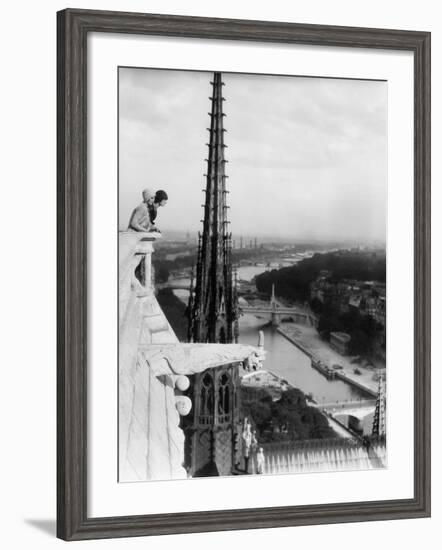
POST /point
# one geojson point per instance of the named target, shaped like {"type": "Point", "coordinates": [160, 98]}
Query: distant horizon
{"type": "Point", "coordinates": [171, 234]}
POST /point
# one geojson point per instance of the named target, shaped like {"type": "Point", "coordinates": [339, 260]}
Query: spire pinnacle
{"type": "Point", "coordinates": [379, 418]}
{"type": "Point", "coordinates": [214, 308]}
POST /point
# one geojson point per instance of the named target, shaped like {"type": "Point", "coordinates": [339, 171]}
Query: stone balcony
{"type": "Point", "coordinates": [152, 370]}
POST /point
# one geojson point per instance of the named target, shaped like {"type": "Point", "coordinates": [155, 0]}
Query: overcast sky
{"type": "Point", "coordinates": [307, 156]}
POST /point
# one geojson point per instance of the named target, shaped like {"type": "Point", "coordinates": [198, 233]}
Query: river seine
{"type": "Point", "coordinates": [283, 358]}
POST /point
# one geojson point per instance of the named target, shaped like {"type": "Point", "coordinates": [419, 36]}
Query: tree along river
{"type": "Point", "coordinates": [282, 357]}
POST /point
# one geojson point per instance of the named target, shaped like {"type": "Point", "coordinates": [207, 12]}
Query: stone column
{"type": "Point", "coordinates": [145, 249]}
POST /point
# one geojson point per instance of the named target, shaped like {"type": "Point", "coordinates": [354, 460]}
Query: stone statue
{"type": "Point", "coordinates": [260, 461]}
{"type": "Point", "coordinates": [250, 443]}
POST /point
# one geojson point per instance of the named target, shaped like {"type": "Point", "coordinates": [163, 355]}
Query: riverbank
{"type": "Point", "coordinates": [275, 385]}
{"type": "Point", "coordinates": [308, 341]}
{"type": "Point", "coordinates": [288, 353]}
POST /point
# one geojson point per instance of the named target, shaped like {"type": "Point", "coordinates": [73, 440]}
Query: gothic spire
{"type": "Point", "coordinates": [214, 308]}
{"type": "Point", "coordinates": [379, 428]}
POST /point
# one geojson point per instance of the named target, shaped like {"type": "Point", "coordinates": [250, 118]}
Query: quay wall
{"type": "Point", "coordinates": [338, 374]}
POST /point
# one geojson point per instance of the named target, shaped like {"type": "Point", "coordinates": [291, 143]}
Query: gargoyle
{"type": "Point", "coordinates": [186, 359]}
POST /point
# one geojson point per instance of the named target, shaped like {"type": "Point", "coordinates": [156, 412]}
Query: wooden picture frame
{"type": "Point", "coordinates": [73, 29]}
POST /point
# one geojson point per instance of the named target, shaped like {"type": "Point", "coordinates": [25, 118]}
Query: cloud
{"type": "Point", "coordinates": [307, 156]}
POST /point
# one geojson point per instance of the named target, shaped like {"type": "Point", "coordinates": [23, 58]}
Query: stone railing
{"type": "Point", "coordinates": [153, 369]}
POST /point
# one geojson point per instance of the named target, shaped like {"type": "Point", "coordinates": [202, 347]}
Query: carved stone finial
{"type": "Point", "coordinates": [183, 405]}
{"type": "Point", "coordinates": [182, 383]}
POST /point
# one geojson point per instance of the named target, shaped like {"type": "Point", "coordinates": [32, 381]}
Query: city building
{"type": "Point", "coordinates": [340, 342]}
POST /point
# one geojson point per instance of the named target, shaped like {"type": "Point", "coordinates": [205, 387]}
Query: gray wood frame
{"type": "Point", "coordinates": [73, 27]}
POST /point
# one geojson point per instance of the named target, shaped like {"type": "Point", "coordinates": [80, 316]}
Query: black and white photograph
{"type": "Point", "coordinates": [252, 274]}
{"type": "Point", "coordinates": [219, 239]}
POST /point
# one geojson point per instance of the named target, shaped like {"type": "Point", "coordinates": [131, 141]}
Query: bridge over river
{"type": "Point", "coordinates": [173, 286]}
{"type": "Point", "coordinates": [276, 311]}
{"type": "Point", "coordinates": [358, 407]}
{"type": "Point", "coordinates": [356, 415]}
{"type": "Point", "coordinates": [283, 357]}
